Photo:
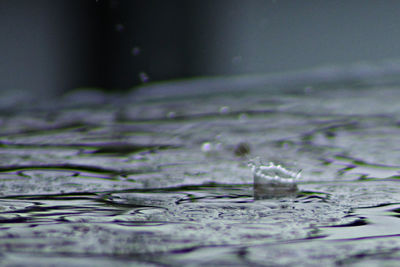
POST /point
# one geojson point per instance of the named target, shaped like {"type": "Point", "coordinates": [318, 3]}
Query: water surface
{"type": "Point", "coordinates": [159, 176]}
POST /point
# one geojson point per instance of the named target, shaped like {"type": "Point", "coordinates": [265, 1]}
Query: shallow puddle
{"type": "Point", "coordinates": [160, 176]}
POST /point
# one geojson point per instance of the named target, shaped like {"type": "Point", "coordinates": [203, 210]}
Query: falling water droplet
{"type": "Point", "coordinates": [119, 27]}
{"type": "Point", "coordinates": [143, 77]}
{"type": "Point", "coordinates": [135, 51]}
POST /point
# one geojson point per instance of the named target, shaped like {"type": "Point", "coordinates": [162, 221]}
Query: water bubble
{"type": "Point", "coordinates": [135, 51]}
{"type": "Point", "coordinates": [143, 77]}
{"type": "Point", "coordinates": [206, 147]}
{"type": "Point", "coordinates": [224, 110]}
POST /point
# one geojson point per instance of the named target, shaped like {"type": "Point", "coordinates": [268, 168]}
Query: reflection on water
{"type": "Point", "coordinates": [149, 180]}
{"type": "Point", "coordinates": [373, 222]}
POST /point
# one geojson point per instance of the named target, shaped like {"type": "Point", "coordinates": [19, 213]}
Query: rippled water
{"type": "Point", "coordinates": [159, 176]}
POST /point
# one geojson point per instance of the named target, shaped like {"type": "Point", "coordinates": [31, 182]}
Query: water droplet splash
{"type": "Point", "coordinates": [143, 77]}
{"type": "Point", "coordinates": [272, 181]}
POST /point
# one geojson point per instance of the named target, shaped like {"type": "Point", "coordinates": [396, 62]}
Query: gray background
{"type": "Point", "coordinates": [53, 46]}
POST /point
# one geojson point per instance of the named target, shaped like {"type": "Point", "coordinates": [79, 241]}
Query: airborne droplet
{"type": "Point", "coordinates": [143, 77]}
{"type": "Point", "coordinates": [119, 27]}
{"type": "Point", "coordinates": [135, 51]}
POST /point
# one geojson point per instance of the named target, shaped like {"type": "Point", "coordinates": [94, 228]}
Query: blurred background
{"type": "Point", "coordinates": [52, 46]}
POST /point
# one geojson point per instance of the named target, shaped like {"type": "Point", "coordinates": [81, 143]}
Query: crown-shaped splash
{"type": "Point", "coordinates": [272, 180]}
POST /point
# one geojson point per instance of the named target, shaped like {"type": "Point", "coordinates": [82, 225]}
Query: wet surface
{"type": "Point", "coordinates": [159, 176]}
